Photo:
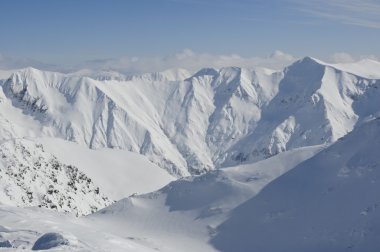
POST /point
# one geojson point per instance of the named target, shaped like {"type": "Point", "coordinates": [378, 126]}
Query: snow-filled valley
{"type": "Point", "coordinates": [229, 159]}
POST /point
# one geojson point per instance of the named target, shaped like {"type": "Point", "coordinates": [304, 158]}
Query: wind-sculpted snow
{"type": "Point", "coordinates": [214, 118]}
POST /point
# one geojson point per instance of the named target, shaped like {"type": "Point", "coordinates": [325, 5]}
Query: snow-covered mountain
{"type": "Point", "coordinates": [215, 118]}
{"type": "Point", "coordinates": [167, 121]}
{"type": "Point", "coordinates": [316, 103]}
{"type": "Point", "coordinates": [289, 159]}
{"type": "Point", "coordinates": [311, 198]}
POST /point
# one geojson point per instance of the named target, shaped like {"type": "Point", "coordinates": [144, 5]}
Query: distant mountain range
{"type": "Point", "coordinates": [192, 123]}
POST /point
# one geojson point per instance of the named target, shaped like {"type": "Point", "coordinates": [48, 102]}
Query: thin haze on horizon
{"type": "Point", "coordinates": [70, 32]}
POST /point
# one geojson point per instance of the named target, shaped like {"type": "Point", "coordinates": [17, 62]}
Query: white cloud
{"type": "Point", "coordinates": [194, 61]}
{"type": "Point", "coordinates": [7, 62]}
{"type": "Point", "coordinates": [186, 59]}
{"type": "Point", "coordinates": [343, 57]}
{"type": "Point", "coordinates": [364, 13]}
{"type": "Point", "coordinates": [190, 60]}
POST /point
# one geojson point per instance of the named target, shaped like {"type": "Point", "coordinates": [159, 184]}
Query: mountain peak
{"type": "Point", "coordinates": [305, 66]}
{"type": "Point", "coordinates": [206, 71]}
{"type": "Point", "coordinates": [310, 60]}
{"type": "Point", "coordinates": [31, 70]}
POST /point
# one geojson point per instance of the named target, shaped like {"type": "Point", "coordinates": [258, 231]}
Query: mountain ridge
{"type": "Point", "coordinates": [202, 122]}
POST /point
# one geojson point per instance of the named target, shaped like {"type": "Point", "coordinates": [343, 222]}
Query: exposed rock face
{"type": "Point", "coordinates": [31, 177]}
{"type": "Point", "coordinates": [50, 240]}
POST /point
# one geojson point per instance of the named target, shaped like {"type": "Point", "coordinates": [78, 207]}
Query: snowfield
{"type": "Point", "coordinates": [229, 159]}
{"type": "Point", "coordinates": [180, 217]}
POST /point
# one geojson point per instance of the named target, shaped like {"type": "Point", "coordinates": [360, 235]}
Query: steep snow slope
{"type": "Point", "coordinates": [29, 176]}
{"type": "Point", "coordinates": [15, 124]}
{"type": "Point", "coordinates": [183, 215]}
{"type": "Point", "coordinates": [233, 108]}
{"type": "Point", "coordinates": [78, 109]}
{"type": "Point", "coordinates": [327, 203]}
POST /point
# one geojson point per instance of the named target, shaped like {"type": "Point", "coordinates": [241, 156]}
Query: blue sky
{"type": "Point", "coordinates": [72, 31]}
